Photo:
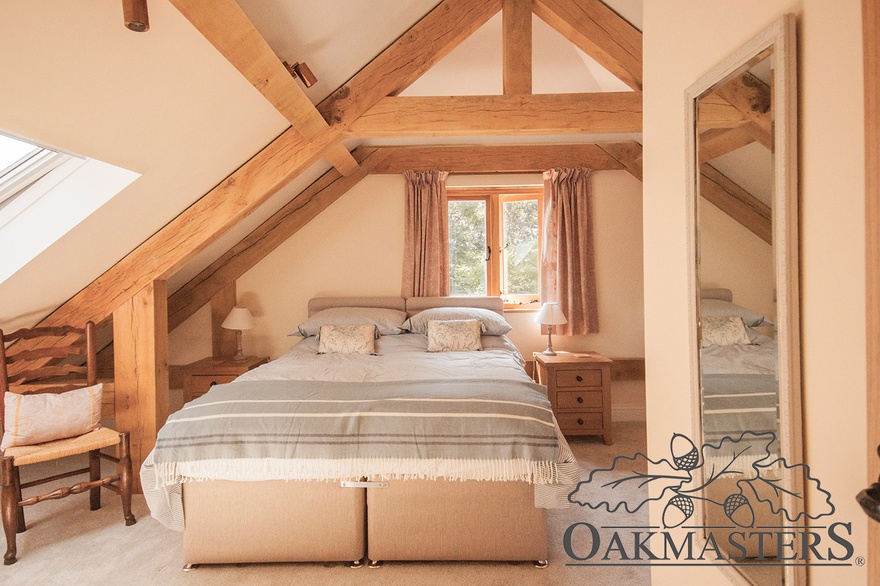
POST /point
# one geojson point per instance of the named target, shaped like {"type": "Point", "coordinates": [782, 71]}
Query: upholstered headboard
{"type": "Point", "coordinates": [412, 306]}
{"type": "Point", "coordinates": [317, 304]}
{"type": "Point", "coordinates": [417, 304]}
{"type": "Point", "coordinates": [716, 293]}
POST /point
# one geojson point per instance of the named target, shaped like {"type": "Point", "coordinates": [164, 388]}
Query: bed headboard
{"type": "Point", "coordinates": [716, 293]}
{"type": "Point", "coordinates": [317, 304]}
{"type": "Point", "coordinates": [417, 304]}
{"type": "Point", "coordinates": [412, 306]}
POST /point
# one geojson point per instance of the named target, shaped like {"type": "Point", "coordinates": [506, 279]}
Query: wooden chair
{"type": "Point", "coordinates": [57, 376]}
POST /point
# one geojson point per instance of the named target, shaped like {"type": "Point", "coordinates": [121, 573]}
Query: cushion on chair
{"type": "Point", "coordinates": [94, 440]}
{"type": "Point", "coordinates": [37, 418]}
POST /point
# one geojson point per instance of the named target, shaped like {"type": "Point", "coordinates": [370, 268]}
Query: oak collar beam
{"type": "Point", "coordinates": [591, 113]}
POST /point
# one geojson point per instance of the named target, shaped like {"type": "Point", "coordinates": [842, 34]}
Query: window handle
{"type": "Point", "coordinates": [488, 253]}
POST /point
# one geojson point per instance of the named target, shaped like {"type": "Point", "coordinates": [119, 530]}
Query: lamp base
{"type": "Point", "coordinates": [549, 352]}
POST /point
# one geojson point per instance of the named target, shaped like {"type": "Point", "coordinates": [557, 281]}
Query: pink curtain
{"type": "Point", "coordinates": [426, 235]}
{"type": "Point", "coordinates": [568, 274]}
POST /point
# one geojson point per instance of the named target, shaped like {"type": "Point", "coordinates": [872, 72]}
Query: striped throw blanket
{"type": "Point", "coordinates": [319, 430]}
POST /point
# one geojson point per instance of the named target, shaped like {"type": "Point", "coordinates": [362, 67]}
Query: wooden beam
{"type": "Point", "coordinates": [140, 343]}
{"type": "Point", "coordinates": [416, 51]}
{"type": "Point", "coordinates": [599, 32]}
{"type": "Point", "coordinates": [628, 369]}
{"type": "Point", "coordinates": [496, 158]}
{"type": "Point", "coordinates": [751, 97]}
{"type": "Point", "coordinates": [715, 112]}
{"type": "Point", "coordinates": [628, 154]}
{"type": "Point", "coordinates": [736, 202]}
{"type": "Point", "coordinates": [268, 236]}
{"type": "Point", "coordinates": [190, 232]}
{"type": "Point", "coordinates": [593, 113]}
{"type": "Point", "coordinates": [225, 25]}
{"type": "Point", "coordinates": [720, 141]}
{"type": "Point", "coordinates": [224, 343]}
{"type": "Point", "coordinates": [516, 35]}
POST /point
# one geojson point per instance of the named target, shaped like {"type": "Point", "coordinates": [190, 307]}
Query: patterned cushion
{"type": "Point", "coordinates": [459, 335]}
{"type": "Point", "coordinates": [347, 339]}
{"type": "Point", "coordinates": [37, 418]}
{"type": "Point", "coordinates": [724, 331]}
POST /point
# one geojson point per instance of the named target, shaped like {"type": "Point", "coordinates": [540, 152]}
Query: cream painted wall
{"type": "Point", "coordinates": [734, 258]}
{"type": "Point", "coordinates": [355, 247]}
{"type": "Point", "coordinates": [684, 39]}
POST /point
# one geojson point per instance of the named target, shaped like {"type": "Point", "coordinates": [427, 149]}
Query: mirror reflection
{"type": "Point", "coordinates": [737, 280]}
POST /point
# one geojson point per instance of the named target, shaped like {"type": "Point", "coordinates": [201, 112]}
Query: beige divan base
{"type": "Point", "coordinates": [449, 520]}
{"type": "Point", "coordinates": [272, 521]}
{"type": "Point", "coordinates": [276, 521]}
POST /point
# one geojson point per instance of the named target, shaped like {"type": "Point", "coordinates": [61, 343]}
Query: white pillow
{"type": "Point", "coordinates": [492, 324]}
{"type": "Point", "coordinates": [347, 339]}
{"type": "Point", "coordinates": [388, 321]}
{"type": "Point", "coordinates": [719, 308]}
{"type": "Point", "coordinates": [724, 331]}
{"type": "Point", "coordinates": [37, 418]}
{"type": "Point", "coordinates": [461, 335]}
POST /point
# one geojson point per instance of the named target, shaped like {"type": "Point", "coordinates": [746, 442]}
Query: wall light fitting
{"type": "Point", "coordinates": [136, 16]}
{"type": "Point", "coordinates": [302, 71]}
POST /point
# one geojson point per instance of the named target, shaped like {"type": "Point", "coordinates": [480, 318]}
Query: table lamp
{"type": "Point", "coordinates": [550, 315]}
{"type": "Point", "coordinates": [238, 319]}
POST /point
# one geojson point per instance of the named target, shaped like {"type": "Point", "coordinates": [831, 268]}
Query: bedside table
{"type": "Point", "coordinates": [579, 389]}
{"type": "Point", "coordinates": [200, 376]}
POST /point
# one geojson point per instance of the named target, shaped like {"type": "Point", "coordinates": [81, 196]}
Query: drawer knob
{"type": "Point", "coordinates": [580, 379]}
{"type": "Point", "coordinates": [580, 421]}
{"type": "Point", "coordinates": [580, 399]}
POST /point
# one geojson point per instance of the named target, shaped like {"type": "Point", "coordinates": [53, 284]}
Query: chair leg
{"type": "Point", "coordinates": [123, 469]}
{"type": "Point", "coordinates": [9, 509]}
{"type": "Point", "coordinates": [16, 479]}
{"type": "Point", "coordinates": [94, 474]}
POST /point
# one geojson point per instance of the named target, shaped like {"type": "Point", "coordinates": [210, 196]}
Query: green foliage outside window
{"type": "Point", "coordinates": [467, 247]}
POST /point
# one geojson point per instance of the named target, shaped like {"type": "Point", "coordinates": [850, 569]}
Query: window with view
{"type": "Point", "coordinates": [494, 242]}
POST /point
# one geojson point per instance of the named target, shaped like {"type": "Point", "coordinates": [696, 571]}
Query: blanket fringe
{"type": "Point", "coordinates": [169, 473]}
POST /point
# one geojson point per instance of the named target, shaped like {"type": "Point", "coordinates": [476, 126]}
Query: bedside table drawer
{"type": "Point", "coordinates": [577, 422]}
{"type": "Point", "coordinates": [199, 384]}
{"type": "Point", "coordinates": [578, 399]}
{"type": "Point", "coordinates": [581, 377]}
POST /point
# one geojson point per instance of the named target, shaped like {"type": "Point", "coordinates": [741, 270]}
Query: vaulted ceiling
{"type": "Point", "coordinates": [171, 106]}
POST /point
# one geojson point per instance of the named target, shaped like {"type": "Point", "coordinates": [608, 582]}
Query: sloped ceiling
{"type": "Point", "coordinates": [167, 105]}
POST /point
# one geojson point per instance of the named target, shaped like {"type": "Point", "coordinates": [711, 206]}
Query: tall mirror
{"type": "Point", "coordinates": [742, 136]}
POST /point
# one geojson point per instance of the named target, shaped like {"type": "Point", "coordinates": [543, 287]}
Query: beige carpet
{"type": "Point", "coordinates": [84, 547]}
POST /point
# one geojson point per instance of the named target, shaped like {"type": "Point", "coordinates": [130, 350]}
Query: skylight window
{"type": "Point", "coordinates": [44, 193]}
{"type": "Point", "coordinates": [22, 164]}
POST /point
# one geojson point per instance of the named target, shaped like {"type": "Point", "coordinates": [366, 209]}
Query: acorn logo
{"type": "Point", "coordinates": [685, 455]}
{"type": "Point", "coordinates": [739, 510]}
{"type": "Point", "coordinates": [678, 510]}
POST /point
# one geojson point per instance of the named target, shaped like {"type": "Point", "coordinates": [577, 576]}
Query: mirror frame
{"type": "Point", "coordinates": [781, 37]}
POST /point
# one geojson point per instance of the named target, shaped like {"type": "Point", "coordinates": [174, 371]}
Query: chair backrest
{"type": "Point", "coordinates": [65, 359]}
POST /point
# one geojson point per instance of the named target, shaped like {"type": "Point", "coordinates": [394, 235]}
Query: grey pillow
{"type": "Point", "coordinates": [491, 323]}
{"type": "Point", "coordinates": [387, 321]}
{"type": "Point", "coordinates": [719, 308]}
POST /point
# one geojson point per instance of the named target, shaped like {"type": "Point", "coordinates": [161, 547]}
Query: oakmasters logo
{"type": "Point", "coordinates": [741, 484]}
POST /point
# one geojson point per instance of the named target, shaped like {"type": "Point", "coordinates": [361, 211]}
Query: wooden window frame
{"type": "Point", "coordinates": [495, 196]}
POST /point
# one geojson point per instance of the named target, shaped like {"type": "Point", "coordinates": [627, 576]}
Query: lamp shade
{"type": "Point", "coordinates": [238, 319]}
{"type": "Point", "coordinates": [550, 314]}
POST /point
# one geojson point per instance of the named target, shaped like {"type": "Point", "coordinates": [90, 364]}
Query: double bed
{"type": "Point", "coordinates": [740, 387]}
{"type": "Point", "coordinates": [401, 455]}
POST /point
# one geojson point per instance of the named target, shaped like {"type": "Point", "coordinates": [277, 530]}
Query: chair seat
{"type": "Point", "coordinates": [100, 438]}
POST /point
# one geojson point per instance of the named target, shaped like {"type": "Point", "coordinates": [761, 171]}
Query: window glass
{"type": "Point", "coordinates": [521, 263]}
{"type": "Point", "coordinates": [467, 247]}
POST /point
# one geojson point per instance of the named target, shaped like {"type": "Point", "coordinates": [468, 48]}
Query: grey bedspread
{"type": "Point", "coordinates": [320, 430]}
